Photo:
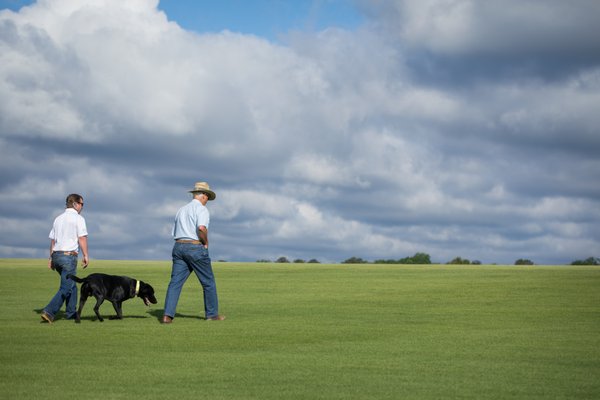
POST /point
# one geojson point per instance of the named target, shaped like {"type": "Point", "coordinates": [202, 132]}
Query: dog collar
{"type": "Point", "coordinates": [137, 287]}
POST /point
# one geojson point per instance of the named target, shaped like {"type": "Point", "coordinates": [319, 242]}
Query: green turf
{"type": "Point", "coordinates": [313, 331]}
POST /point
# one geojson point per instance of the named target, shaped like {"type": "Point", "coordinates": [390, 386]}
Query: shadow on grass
{"type": "Point", "coordinates": [62, 316]}
{"type": "Point", "coordinates": [158, 314]}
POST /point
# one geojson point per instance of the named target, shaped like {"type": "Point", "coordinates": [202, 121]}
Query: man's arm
{"type": "Point", "coordinates": [84, 249]}
{"type": "Point", "coordinates": [203, 235]}
{"type": "Point", "coordinates": [51, 248]}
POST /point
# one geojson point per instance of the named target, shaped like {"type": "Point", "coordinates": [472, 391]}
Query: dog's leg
{"type": "Point", "coordinates": [118, 308]}
{"type": "Point", "coordinates": [82, 299]}
{"type": "Point", "coordinates": [99, 301]}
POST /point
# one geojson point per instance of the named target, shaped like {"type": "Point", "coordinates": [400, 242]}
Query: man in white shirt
{"type": "Point", "coordinates": [67, 237]}
{"type": "Point", "coordinates": [190, 253]}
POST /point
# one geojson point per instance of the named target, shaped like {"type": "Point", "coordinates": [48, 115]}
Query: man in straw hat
{"type": "Point", "coordinates": [190, 253]}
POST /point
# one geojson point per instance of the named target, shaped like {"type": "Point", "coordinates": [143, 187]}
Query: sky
{"type": "Point", "coordinates": [328, 129]}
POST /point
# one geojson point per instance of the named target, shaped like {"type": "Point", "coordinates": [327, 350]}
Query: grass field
{"type": "Point", "coordinates": [310, 331]}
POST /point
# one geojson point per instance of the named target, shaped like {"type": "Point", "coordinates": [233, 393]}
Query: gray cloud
{"type": "Point", "coordinates": [511, 27]}
{"type": "Point", "coordinates": [427, 129]}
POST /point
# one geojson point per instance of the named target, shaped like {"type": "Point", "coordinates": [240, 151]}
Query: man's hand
{"type": "Point", "coordinates": [203, 235]}
{"type": "Point", "coordinates": [84, 249]}
{"type": "Point", "coordinates": [50, 263]}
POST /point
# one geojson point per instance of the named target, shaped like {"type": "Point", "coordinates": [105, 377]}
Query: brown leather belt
{"type": "Point", "coordinates": [188, 241]}
{"type": "Point", "coordinates": [66, 253]}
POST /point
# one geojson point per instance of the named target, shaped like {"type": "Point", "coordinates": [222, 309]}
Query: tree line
{"type": "Point", "coordinates": [422, 258]}
{"type": "Point", "coordinates": [285, 260]}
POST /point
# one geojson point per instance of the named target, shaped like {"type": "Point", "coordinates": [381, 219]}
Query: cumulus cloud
{"type": "Point", "coordinates": [513, 26]}
{"type": "Point", "coordinates": [426, 129]}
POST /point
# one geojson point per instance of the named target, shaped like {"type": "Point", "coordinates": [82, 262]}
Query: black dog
{"type": "Point", "coordinates": [115, 289]}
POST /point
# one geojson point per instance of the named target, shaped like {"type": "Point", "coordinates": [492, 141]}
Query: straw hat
{"type": "Point", "coordinates": [203, 188]}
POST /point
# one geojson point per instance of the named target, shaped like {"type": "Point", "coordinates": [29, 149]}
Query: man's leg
{"type": "Point", "coordinates": [179, 274]}
{"type": "Point", "coordinates": [63, 266]}
{"type": "Point", "coordinates": [202, 266]}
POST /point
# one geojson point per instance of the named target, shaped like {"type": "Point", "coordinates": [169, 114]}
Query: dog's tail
{"type": "Point", "coordinates": [76, 279]}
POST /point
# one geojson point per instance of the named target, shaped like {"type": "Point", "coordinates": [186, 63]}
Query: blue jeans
{"type": "Point", "coordinates": [188, 257]}
{"type": "Point", "coordinates": [67, 292]}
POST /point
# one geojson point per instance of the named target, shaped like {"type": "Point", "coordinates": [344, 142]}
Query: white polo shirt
{"type": "Point", "coordinates": [67, 229]}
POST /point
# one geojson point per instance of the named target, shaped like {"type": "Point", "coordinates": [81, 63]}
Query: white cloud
{"type": "Point", "coordinates": [324, 170]}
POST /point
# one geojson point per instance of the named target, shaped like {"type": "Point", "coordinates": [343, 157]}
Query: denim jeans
{"type": "Point", "coordinates": [67, 292]}
{"type": "Point", "coordinates": [188, 257]}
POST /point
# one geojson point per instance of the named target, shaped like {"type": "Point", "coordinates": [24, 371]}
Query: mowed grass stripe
{"type": "Point", "coordinates": [306, 331]}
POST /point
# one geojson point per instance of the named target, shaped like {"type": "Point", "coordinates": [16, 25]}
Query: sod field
{"type": "Point", "coordinates": [312, 331]}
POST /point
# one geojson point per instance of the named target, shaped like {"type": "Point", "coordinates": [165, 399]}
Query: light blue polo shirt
{"type": "Point", "coordinates": [189, 218]}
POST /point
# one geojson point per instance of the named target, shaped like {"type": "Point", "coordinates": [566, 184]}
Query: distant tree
{"type": "Point", "coordinates": [459, 260]}
{"type": "Point", "coordinates": [313, 261]}
{"type": "Point", "coordinates": [282, 260]}
{"type": "Point", "coordinates": [355, 260]}
{"type": "Point", "coordinates": [262, 260]}
{"type": "Point", "coordinates": [388, 261]}
{"type": "Point", "coordinates": [522, 261]}
{"type": "Point", "coordinates": [419, 258]}
{"type": "Point", "coordinates": [587, 261]}
{"type": "Point", "coordinates": [299, 261]}
{"type": "Point", "coordinates": [476, 262]}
